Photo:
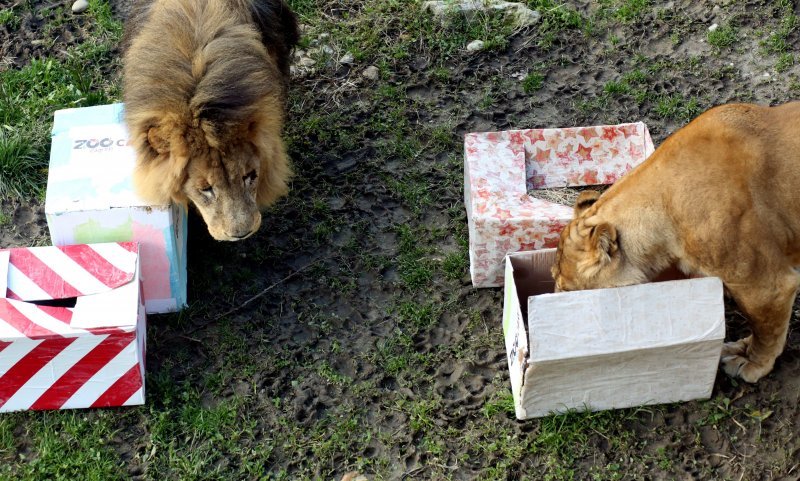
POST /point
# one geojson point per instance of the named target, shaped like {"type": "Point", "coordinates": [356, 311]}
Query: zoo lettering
{"type": "Point", "coordinates": [99, 143]}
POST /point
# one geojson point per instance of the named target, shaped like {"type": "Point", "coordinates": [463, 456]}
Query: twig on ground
{"type": "Point", "coordinates": [267, 289]}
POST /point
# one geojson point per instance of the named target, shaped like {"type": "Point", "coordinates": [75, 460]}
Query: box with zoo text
{"type": "Point", "coordinates": [501, 168]}
{"type": "Point", "coordinates": [90, 198]}
{"type": "Point", "coordinates": [608, 348]}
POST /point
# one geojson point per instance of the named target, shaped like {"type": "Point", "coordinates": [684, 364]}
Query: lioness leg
{"type": "Point", "coordinates": [768, 306]}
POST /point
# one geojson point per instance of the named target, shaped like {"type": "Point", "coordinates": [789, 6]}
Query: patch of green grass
{"type": "Point", "coordinates": [716, 410]}
{"type": "Point", "coordinates": [413, 265]}
{"type": "Point", "coordinates": [556, 19]}
{"type": "Point", "coordinates": [30, 95]}
{"type": "Point", "coordinates": [676, 107]}
{"type": "Point", "coordinates": [455, 264]}
{"type": "Point", "coordinates": [777, 42]}
{"type": "Point", "coordinates": [8, 17]}
{"type": "Point", "coordinates": [501, 402]}
{"type": "Point", "coordinates": [624, 10]}
{"type": "Point", "coordinates": [616, 88]}
{"type": "Point", "coordinates": [23, 167]}
{"type": "Point", "coordinates": [532, 82]}
{"type": "Point", "coordinates": [723, 37]}
{"type": "Point", "coordinates": [419, 316]}
{"type": "Point", "coordinates": [785, 62]}
{"type": "Point", "coordinates": [68, 445]}
{"type": "Point", "coordinates": [566, 435]}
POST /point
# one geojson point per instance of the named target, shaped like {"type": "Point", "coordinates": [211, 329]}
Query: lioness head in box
{"type": "Point", "coordinates": [204, 89]}
{"type": "Point", "coordinates": [588, 255]}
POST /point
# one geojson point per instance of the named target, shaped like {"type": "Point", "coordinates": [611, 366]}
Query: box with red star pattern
{"type": "Point", "coordinates": [500, 168]}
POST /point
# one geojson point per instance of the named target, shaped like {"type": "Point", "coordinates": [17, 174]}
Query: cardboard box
{"type": "Point", "coordinates": [608, 348]}
{"type": "Point", "coordinates": [72, 327]}
{"type": "Point", "coordinates": [90, 199]}
{"type": "Point", "coordinates": [500, 168]}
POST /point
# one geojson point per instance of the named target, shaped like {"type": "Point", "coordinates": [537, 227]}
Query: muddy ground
{"type": "Point", "coordinates": [370, 350]}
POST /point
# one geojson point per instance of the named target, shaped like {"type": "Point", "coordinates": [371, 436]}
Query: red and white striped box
{"type": "Point", "coordinates": [72, 327]}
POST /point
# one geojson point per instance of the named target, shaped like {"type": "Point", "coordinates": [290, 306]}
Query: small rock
{"type": "Point", "coordinates": [715, 11]}
{"type": "Point", "coordinates": [766, 74]}
{"type": "Point", "coordinates": [475, 46]}
{"type": "Point", "coordinates": [327, 49]}
{"type": "Point", "coordinates": [713, 27]}
{"type": "Point", "coordinates": [346, 59]}
{"type": "Point", "coordinates": [80, 6]}
{"type": "Point", "coordinates": [371, 73]}
{"type": "Point", "coordinates": [306, 62]}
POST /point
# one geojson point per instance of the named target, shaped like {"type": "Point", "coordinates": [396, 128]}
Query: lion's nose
{"type": "Point", "coordinates": [240, 236]}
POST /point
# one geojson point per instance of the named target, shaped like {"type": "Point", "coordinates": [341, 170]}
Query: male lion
{"type": "Point", "coordinates": [204, 85]}
{"type": "Point", "coordinates": [719, 198]}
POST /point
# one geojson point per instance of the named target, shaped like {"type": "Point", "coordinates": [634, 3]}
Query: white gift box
{"type": "Point", "coordinates": [501, 167]}
{"type": "Point", "coordinates": [90, 199]}
{"type": "Point", "coordinates": [72, 327]}
{"type": "Point", "coordinates": [607, 348]}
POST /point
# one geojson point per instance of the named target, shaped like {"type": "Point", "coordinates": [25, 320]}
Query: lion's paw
{"type": "Point", "coordinates": [738, 348]}
{"type": "Point", "coordinates": [736, 363]}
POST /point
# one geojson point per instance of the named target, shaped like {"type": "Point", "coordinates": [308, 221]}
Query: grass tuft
{"type": "Point", "coordinates": [23, 167]}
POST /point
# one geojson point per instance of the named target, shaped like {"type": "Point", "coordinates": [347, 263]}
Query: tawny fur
{"type": "Point", "coordinates": [719, 198]}
{"type": "Point", "coordinates": [204, 89]}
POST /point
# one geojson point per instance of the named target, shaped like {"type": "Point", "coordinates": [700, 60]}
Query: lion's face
{"type": "Point", "coordinates": [223, 186]}
{"type": "Point", "coordinates": [589, 255]}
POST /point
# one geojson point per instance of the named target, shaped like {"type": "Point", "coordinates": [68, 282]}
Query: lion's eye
{"type": "Point", "coordinates": [208, 191]}
{"type": "Point", "coordinates": [250, 178]}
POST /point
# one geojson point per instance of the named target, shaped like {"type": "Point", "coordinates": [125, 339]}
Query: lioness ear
{"type": "Point", "coordinates": [604, 242]}
{"type": "Point", "coordinates": [585, 200]}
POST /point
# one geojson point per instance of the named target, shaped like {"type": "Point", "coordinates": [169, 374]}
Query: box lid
{"type": "Point", "coordinates": [91, 163]}
{"type": "Point", "coordinates": [101, 278]}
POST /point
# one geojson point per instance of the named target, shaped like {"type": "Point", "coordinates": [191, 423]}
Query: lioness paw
{"type": "Point", "coordinates": [736, 364]}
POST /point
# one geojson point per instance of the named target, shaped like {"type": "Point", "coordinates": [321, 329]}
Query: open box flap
{"type": "Point", "coordinates": [115, 308]}
{"type": "Point", "coordinates": [45, 273]}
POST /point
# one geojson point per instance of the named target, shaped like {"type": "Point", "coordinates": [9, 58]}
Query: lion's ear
{"type": "Point", "coordinates": [586, 199]}
{"type": "Point", "coordinates": [603, 242]}
{"type": "Point", "coordinates": [157, 140]}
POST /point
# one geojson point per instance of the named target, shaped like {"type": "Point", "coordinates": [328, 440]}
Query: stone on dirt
{"type": "Point", "coordinates": [80, 6]}
{"type": "Point", "coordinates": [475, 46]}
{"type": "Point", "coordinates": [523, 16]}
{"type": "Point", "coordinates": [370, 73]}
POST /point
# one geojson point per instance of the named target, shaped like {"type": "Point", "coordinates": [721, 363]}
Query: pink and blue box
{"type": "Point", "coordinates": [73, 315]}
{"type": "Point", "coordinates": [585, 350]}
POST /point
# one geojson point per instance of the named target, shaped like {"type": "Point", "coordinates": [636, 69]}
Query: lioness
{"type": "Point", "coordinates": [204, 85]}
{"type": "Point", "coordinates": [720, 197]}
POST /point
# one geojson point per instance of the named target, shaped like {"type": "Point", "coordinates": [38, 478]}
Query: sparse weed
{"type": "Point", "coordinates": [532, 82]}
{"type": "Point", "coordinates": [723, 37]}
{"type": "Point", "coordinates": [676, 107]}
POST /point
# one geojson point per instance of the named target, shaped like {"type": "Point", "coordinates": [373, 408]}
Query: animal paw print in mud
{"type": "Point", "coordinates": [463, 384]}
{"type": "Point", "coordinates": [311, 404]}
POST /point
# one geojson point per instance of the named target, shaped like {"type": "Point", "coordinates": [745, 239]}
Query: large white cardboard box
{"type": "Point", "coordinates": [500, 168]}
{"type": "Point", "coordinates": [607, 348]}
{"type": "Point", "coordinates": [72, 327]}
{"type": "Point", "coordinates": [90, 199]}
